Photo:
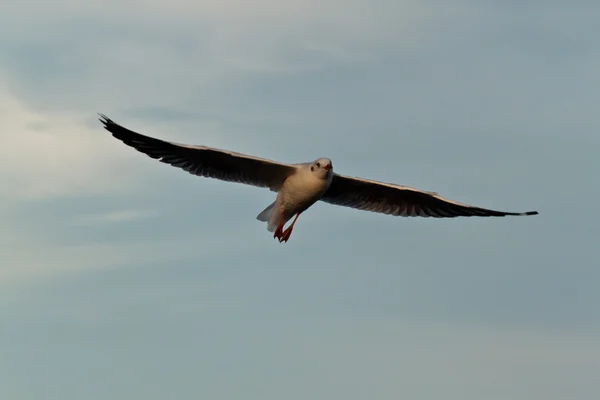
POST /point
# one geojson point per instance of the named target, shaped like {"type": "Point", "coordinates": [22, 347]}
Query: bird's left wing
{"type": "Point", "coordinates": [386, 198]}
{"type": "Point", "coordinates": [206, 161]}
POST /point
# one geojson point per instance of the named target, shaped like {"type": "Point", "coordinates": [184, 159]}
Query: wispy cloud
{"type": "Point", "coordinates": [112, 217]}
{"type": "Point", "coordinates": [170, 54]}
{"type": "Point", "coordinates": [53, 154]}
{"type": "Point", "coordinates": [28, 259]}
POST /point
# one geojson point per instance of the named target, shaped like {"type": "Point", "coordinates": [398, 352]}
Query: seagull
{"type": "Point", "coordinates": [298, 186]}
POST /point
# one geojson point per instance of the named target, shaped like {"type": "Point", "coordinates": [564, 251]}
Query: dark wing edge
{"type": "Point", "coordinates": [205, 161]}
{"type": "Point", "coordinates": [396, 200]}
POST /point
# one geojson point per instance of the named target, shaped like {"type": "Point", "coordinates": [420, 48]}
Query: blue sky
{"type": "Point", "coordinates": [121, 277]}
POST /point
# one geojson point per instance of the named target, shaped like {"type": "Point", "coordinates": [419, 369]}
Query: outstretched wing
{"type": "Point", "coordinates": [385, 198]}
{"type": "Point", "coordinates": [206, 161]}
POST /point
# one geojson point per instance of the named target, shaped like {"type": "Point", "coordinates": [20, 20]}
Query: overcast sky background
{"type": "Point", "coordinates": [123, 278]}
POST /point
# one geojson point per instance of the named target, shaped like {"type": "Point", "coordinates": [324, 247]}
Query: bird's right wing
{"type": "Point", "coordinates": [403, 201]}
{"type": "Point", "coordinates": [206, 161]}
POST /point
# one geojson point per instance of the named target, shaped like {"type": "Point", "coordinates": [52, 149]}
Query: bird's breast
{"type": "Point", "coordinates": [300, 191]}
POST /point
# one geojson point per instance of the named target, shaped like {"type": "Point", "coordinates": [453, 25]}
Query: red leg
{"type": "Point", "coordinates": [286, 234]}
{"type": "Point", "coordinates": [279, 231]}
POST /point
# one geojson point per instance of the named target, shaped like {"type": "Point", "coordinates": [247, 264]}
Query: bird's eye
{"type": "Point", "coordinates": [318, 165]}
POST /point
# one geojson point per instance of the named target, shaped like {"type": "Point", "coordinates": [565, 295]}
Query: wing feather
{"type": "Point", "coordinates": [206, 161]}
{"type": "Point", "coordinates": [397, 200]}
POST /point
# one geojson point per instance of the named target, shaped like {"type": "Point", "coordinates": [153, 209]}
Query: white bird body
{"type": "Point", "coordinates": [298, 192]}
{"type": "Point", "coordinates": [299, 186]}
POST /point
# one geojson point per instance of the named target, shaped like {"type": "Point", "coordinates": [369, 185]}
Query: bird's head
{"type": "Point", "coordinates": [322, 167]}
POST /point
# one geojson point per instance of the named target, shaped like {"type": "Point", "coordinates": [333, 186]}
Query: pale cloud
{"type": "Point", "coordinates": [48, 155]}
{"type": "Point", "coordinates": [53, 154]}
{"type": "Point", "coordinates": [155, 53]}
{"type": "Point", "coordinates": [422, 360]}
{"type": "Point", "coordinates": [235, 16]}
{"type": "Point", "coordinates": [28, 258]}
{"type": "Point", "coordinates": [112, 217]}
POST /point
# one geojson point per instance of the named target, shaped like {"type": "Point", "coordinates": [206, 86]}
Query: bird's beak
{"type": "Point", "coordinates": [327, 167]}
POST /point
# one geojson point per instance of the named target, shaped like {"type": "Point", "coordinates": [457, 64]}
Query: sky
{"type": "Point", "coordinates": [124, 278]}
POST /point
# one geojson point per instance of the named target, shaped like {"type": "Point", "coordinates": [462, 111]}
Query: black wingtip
{"type": "Point", "coordinates": [531, 213]}
{"type": "Point", "coordinates": [105, 120]}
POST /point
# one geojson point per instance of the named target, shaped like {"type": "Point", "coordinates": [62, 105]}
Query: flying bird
{"type": "Point", "coordinates": [298, 186]}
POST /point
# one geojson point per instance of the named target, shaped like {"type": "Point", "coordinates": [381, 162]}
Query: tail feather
{"type": "Point", "coordinates": [266, 213]}
{"type": "Point", "coordinates": [271, 226]}
{"type": "Point", "coordinates": [272, 219]}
